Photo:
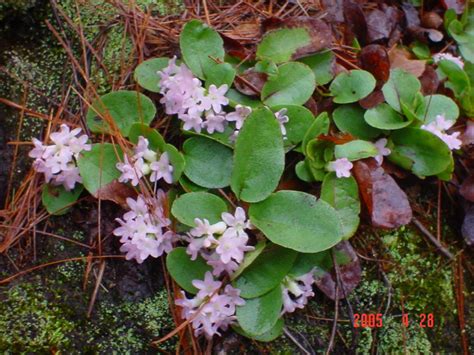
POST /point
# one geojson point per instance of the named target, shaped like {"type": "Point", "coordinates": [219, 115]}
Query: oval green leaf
{"type": "Point", "coordinates": [184, 270]}
{"type": "Point", "coordinates": [322, 65]}
{"type": "Point", "coordinates": [319, 126]}
{"type": "Point", "coordinates": [202, 205]}
{"type": "Point", "coordinates": [401, 86]}
{"type": "Point", "coordinates": [350, 119]}
{"type": "Point", "coordinates": [199, 44]}
{"type": "Point", "coordinates": [264, 274]}
{"type": "Point", "coordinates": [57, 200]}
{"type": "Point", "coordinates": [98, 166]}
{"type": "Point", "coordinates": [298, 221]}
{"type": "Point", "coordinates": [352, 86]}
{"type": "Point", "coordinates": [293, 85]}
{"type": "Point", "coordinates": [259, 315]}
{"type": "Point", "coordinates": [208, 163]}
{"type": "Point", "coordinates": [426, 153]}
{"type": "Point", "coordinates": [124, 107]}
{"type": "Point", "coordinates": [268, 336]}
{"type": "Point", "coordinates": [343, 195]}
{"type": "Point", "coordinates": [146, 73]}
{"type": "Point", "coordinates": [384, 116]}
{"type": "Point", "coordinates": [355, 150]}
{"type": "Point", "coordinates": [434, 105]}
{"type": "Point", "coordinates": [259, 157]}
{"type": "Point", "coordinates": [281, 44]}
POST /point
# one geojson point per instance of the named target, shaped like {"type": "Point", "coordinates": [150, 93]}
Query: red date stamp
{"type": "Point", "coordinates": [375, 320]}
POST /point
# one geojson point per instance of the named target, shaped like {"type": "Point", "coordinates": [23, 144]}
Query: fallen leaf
{"type": "Point", "coordinates": [431, 19]}
{"type": "Point", "coordinates": [374, 99]}
{"type": "Point", "coordinates": [467, 189]}
{"type": "Point", "coordinates": [116, 192]}
{"type": "Point", "coordinates": [457, 5]}
{"type": "Point", "coordinates": [374, 58]}
{"type": "Point", "coordinates": [381, 23]}
{"type": "Point", "coordinates": [356, 24]}
{"type": "Point", "coordinates": [256, 81]}
{"type": "Point", "coordinates": [429, 81]}
{"type": "Point", "coordinates": [235, 48]}
{"type": "Point", "coordinates": [386, 202]}
{"type": "Point", "coordinates": [467, 229]}
{"type": "Point", "coordinates": [349, 272]}
{"type": "Point", "coordinates": [401, 58]}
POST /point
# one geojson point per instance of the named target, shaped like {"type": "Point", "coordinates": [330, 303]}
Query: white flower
{"type": "Point", "coordinates": [448, 56]}
{"type": "Point", "coordinates": [282, 118]}
{"type": "Point", "coordinates": [215, 98]}
{"type": "Point", "coordinates": [341, 166]}
{"type": "Point", "coordinates": [381, 146]}
{"type": "Point", "coordinates": [58, 161]}
{"type": "Point", "coordinates": [239, 115]}
{"type": "Point", "coordinates": [296, 291]}
{"type": "Point", "coordinates": [438, 126]}
{"type": "Point", "coordinates": [238, 221]}
{"type": "Point", "coordinates": [232, 246]}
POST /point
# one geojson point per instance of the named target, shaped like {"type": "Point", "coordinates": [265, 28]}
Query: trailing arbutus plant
{"type": "Point", "coordinates": [244, 251]}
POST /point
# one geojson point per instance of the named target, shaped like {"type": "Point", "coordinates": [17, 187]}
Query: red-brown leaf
{"type": "Point", "coordinates": [116, 192]}
{"type": "Point", "coordinates": [467, 189]}
{"type": "Point", "coordinates": [374, 58]}
{"type": "Point", "coordinates": [386, 202]}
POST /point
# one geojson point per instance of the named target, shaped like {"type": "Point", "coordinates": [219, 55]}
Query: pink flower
{"type": "Point", "coordinates": [212, 308]}
{"type": "Point", "coordinates": [232, 246]}
{"type": "Point", "coordinates": [214, 122]}
{"type": "Point", "coordinates": [238, 221]}
{"type": "Point", "coordinates": [382, 149]}
{"type": "Point", "coordinates": [142, 229]}
{"type": "Point", "coordinates": [162, 169]}
{"type": "Point", "coordinates": [239, 115]}
{"type": "Point", "coordinates": [341, 166]}
{"type": "Point", "coordinates": [58, 161]}
{"type": "Point", "coordinates": [296, 292]}
{"type": "Point", "coordinates": [438, 127]}
{"type": "Point", "coordinates": [215, 98]}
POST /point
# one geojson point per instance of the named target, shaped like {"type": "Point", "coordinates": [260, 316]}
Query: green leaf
{"type": "Point", "coordinates": [319, 126]}
{"type": "Point", "coordinates": [401, 86]}
{"type": "Point", "coordinates": [124, 107]}
{"type": "Point", "coordinates": [199, 44]}
{"type": "Point", "coordinates": [266, 66]}
{"type": "Point", "coordinates": [435, 105]}
{"type": "Point", "coordinates": [201, 205]}
{"type": "Point", "coordinates": [343, 195]}
{"type": "Point", "coordinates": [208, 163]}
{"type": "Point", "coordinates": [425, 153]}
{"type": "Point", "coordinates": [268, 336]}
{"type": "Point", "coordinates": [264, 274]}
{"type": "Point", "coordinates": [300, 119]}
{"type": "Point", "coordinates": [298, 221]}
{"type": "Point", "coordinates": [146, 73]}
{"type": "Point", "coordinates": [155, 139]}
{"type": "Point", "coordinates": [259, 315]}
{"type": "Point", "coordinates": [176, 160]}
{"type": "Point", "coordinates": [305, 262]}
{"type": "Point", "coordinates": [184, 270]}
{"type": "Point", "coordinates": [350, 119]}
{"type": "Point", "coordinates": [384, 116]}
{"type": "Point", "coordinates": [322, 65]}
{"type": "Point", "coordinates": [220, 137]}
{"type": "Point", "coordinates": [249, 259]}
{"type": "Point", "coordinates": [189, 186]}
{"type": "Point", "coordinates": [303, 171]}
{"type": "Point", "coordinates": [355, 150]}
{"type": "Point", "coordinates": [57, 200]}
{"type": "Point", "coordinates": [293, 85]}
{"type": "Point", "coordinates": [97, 166]}
{"type": "Point", "coordinates": [220, 74]}
{"type": "Point", "coordinates": [458, 80]}
{"type": "Point", "coordinates": [237, 98]}
{"type": "Point", "coordinates": [259, 157]}
{"type": "Point", "coordinates": [352, 86]}
{"type": "Point", "coordinates": [280, 45]}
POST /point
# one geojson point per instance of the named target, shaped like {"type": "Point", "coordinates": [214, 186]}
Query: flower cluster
{"type": "Point", "coordinates": [142, 229]}
{"type": "Point", "coordinates": [296, 291]}
{"type": "Point", "coordinates": [448, 56]}
{"type": "Point", "coordinates": [438, 128]}
{"type": "Point", "coordinates": [212, 308]}
{"type": "Point", "coordinates": [58, 161]}
{"type": "Point", "coordinates": [184, 96]}
{"type": "Point", "coordinates": [222, 244]}
{"type": "Point", "coordinates": [143, 162]}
